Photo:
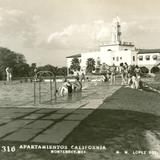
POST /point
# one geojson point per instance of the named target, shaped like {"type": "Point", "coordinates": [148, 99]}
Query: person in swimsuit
{"type": "Point", "coordinates": [77, 85]}
{"type": "Point", "coordinates": [66, 88]}
{"type": "Point", "coordinates": [122, 72]}
{"type": "Point", "coordinates": [9, 74]}
{"type": "Point", "coordinates": [126, 72]}
{"type": "Point", "coordinates": [138, 76]}
{"type": "Point", "coordinates": [113, 74]}
{"type": "Point", "coordinates": [108, 73]}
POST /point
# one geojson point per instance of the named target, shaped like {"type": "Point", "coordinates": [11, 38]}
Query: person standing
{"type": "Point", "coordinates": [77, 85]}
{"type": "Point", "coordinates": [82, 77]}
{"type": "Point", "coordinates": [8, 74]}
{"type": "Point", "coordinates": [122, 73]}
{"type": "Point", "coordinates": [113, 74]}
{"type": "Point", "coordinates": [108, 73]}
{"type": "Point", "coordinates": [126, 72]}
{"type": "Point", "coordinates": [138, 76]}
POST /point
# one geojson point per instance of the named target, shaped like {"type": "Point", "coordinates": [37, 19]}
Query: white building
{"type": "Point", "coordinates": [118, 52]}
{"type": "Point", "coordinates": [148, 57]}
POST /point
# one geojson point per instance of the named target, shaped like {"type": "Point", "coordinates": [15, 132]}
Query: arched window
{"type": "Point", "coordinates": [147, 57]}
{"type": "Point", "coordinates": [140, 58]}
{"type": "Point", "coordinates": [154, 57]}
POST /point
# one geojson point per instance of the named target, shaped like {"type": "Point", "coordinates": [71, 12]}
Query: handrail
{"type": "Point", "coordinates": [52, 78]}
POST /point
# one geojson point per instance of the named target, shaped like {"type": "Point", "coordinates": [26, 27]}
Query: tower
{"type": "Point", "coordinates": [116, 31]}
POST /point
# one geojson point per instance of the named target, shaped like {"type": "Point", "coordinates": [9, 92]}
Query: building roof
{"type": "Point", "coordinates": [143, 51]}
{"type": "Point", "coordinates": [74, 56]}
{"type": "Point", "coordinates": [118, 44]}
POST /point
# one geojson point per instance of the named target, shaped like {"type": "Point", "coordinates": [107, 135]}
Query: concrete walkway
{"type": "Point", "coordinates": [51, 125]}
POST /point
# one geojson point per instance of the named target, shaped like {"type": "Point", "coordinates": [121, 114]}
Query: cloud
{"type": "Point", "coordinates": [89, 35]}
{"type": "Point", "coordinates": [80, 36]}
{"type": "Point", "coordinates": [14, 12]}
{"type": "Point", "coordinates": [19, 25]}
{"type": "Point", "coordinates": [141, 26]}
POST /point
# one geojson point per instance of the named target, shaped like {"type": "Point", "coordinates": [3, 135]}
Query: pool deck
{"type": "Point", "coordinates": [52, 124]}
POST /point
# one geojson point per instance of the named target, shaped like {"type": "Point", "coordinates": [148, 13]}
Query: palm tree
{"type": "Point", "coordinates": [90, 65]}
{"type": "Point", "coordinates": [75, 64]}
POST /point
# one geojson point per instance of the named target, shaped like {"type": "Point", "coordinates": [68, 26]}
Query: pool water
{"type": "Point", "coordinates": [17, 94]}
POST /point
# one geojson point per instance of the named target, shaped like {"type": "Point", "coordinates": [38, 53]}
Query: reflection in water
{"type": "Point", "coordinates": [76, 96]}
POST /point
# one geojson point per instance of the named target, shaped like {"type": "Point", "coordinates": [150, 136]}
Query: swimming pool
{"type": "Point", "coordinates": [18, 94]}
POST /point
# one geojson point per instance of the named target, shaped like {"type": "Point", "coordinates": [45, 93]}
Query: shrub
{"type": "Point", "coordinates": [144, 70]}
{"type": "Point", "coordinates": [155, 69]}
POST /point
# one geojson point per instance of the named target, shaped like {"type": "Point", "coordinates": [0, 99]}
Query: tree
{"type": "Point", "coordinates": [33, 69]}
{"type": "Point", "coordinates": [55, 70]}
{"type": "Point", "coordinates": [48, 67]}
{"type": "Point", "coordinates": [62, 71]}
{"type": "Point", "coordinates": [13, 60]}
{"type": "Point", "coordinates": [90, 65]}
{"type": "Point", "coordinates": [21, 70]}
{"type": "Point", "coordinates": [75, 64]}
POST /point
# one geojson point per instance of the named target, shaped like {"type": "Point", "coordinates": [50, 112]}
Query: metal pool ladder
{"type": "Point", "coordinates": [38, 78]}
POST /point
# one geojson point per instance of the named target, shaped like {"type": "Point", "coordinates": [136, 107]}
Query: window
{"type": "Point", "coordinates": [154, 57]}
{"type": "Point", "coordinates": [140, 58]}
{"type": "Point", "coordinates": [134, 58]}
{"type": "Point", "coordinates": [113, 58]}
{"type": "Point", "coordinates": [120, 58]}
{"type": "Point", "coordinates": [109, 50]}
{"type": "Point", "coordinates": [126, 49]}
{"type": "Point", "coordinates": [147, 57]}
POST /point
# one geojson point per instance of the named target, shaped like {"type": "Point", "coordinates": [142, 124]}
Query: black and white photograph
{"type": "Point", "coordinates": [79, 80]}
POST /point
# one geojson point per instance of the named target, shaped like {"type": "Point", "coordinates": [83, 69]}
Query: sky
{"type": "Point", "coordinates": [46, 31]}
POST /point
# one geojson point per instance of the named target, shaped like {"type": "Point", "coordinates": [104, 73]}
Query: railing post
{"type": "Point", "coordinates": [34, 91]}
{"type": "Point", "coordinates": [55, 87]}
{"type": "Point", "coordinates": [51, 88]}
{"type": "Point", "coordinates": [40, 90]}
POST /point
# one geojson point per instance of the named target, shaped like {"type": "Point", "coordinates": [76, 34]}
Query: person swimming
{"type": "Point", "coordinates": [66, 88]}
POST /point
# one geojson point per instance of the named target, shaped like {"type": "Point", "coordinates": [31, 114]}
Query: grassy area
{"type": "Point", "coordinates": [128, 120]}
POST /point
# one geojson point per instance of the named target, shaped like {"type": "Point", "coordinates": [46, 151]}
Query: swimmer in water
{"type": "Point", "coordinates": [66, 88]}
